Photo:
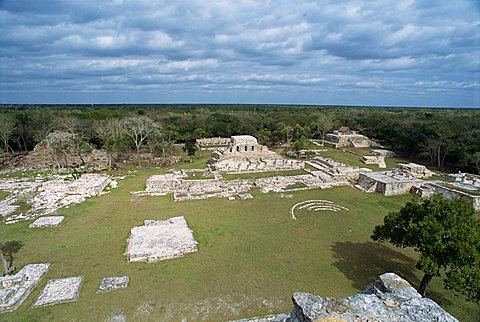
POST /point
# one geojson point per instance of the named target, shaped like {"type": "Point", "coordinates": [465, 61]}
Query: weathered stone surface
{"type": "Point", "coordinates": [160, 239]}
{"type": "Point", "coordinates": [44, 154]}
{"type": "Point", "coordinates": [60, 290]}
{"type": "Point", "coordinates": [48, 221]}
{"type": "Point", "coordinates": [244, 154]}
{"type": "Point", "coordinates": [389, 298]}
{"type": "Point", "coordinates": [218, 188]}
{"type": "Point", "coordinates": [414, 170]}
{"type": "Point", "coordinates": [269, 318]}
{"type": "Point", "coordinates": [245, 196]}
{"type": "Point", "coordinates": [47, 196]}
{"type": "Point", "coordinates": [383, 152]}
{"type": "Point", "coordinates": [316, 205]}
{"type": "Point", "coordinates": [333, 171]}
{"type": "Point", "coordinates": [345, 137]}
{"type": "Point", "coordinates": [109, 284]}
{"type": "Point", "coordinates": [14, 289]}
{"type": "Point", "coordinates": [378, 160]}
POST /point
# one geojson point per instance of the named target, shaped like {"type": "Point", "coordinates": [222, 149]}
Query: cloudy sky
{"type": "Point", "coordinates": [375, 52]}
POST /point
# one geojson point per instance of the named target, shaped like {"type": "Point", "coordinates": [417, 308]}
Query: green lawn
{"type": "Point", "coordinates": [3, 194]}
{"type": "Point", "coordinates": [251, 256]}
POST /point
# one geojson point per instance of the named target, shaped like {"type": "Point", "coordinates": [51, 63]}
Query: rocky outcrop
{"type": "Point", "coordinates": [389, 298]}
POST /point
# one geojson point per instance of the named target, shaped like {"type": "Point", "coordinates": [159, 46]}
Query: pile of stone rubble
{"type": "Point", "coordinates": [46, 196]}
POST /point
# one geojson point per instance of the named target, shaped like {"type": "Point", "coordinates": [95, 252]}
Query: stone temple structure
{"type": "Point", "coordinates": [389, 298]}
{"type": "Point", "coordinates": [401, 180]}
{"type": "Point", "coordinates": [244, 154]}
{"type": "Point", "coordinates": [344, 137]}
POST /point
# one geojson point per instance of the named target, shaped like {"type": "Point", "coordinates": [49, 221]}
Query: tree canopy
{"type": "Point", "coordinates": [446, 233]}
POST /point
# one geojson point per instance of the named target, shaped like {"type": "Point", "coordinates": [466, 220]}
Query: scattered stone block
{"type": "Point", "coordinates": [231, 198]}
{"type": "Point", "coordinates": [245, 196]}
{"type": "Point", "coordinates": [160, 239]}
{"type": "Point", "coordinates": [48, 221]}
{"type": "Point", "coordinates": [109, 284]}
{"type": "Point", "coordinates": [60, 290]}
{"type": "Point", "coordinates": [15, 289]}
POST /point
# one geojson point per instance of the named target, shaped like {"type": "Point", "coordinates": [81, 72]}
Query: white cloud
{"type": "Point", "coordinates": [304, 47]}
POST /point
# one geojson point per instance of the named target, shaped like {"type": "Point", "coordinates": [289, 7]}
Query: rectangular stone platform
{"type": "Point", "coordinates": [14, 289]}
{"type": "Point", "coordinates": [60, 290]}
{"type": "Point", "coordinates": [48, 221]}
{"type": "Point", "coordinates": [160, 239]}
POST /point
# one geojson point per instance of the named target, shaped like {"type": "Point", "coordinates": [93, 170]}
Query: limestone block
{"type": "Point", "coordinates": [48, 221]}
{"type": "Point", "coordinates": [160, 239]}
{"type": "Point", "coordinates": [109, 284]}
{"type": "Point", "coordinates": [60, 291]}
{"type": "Point", "coordinates": [15, 289]}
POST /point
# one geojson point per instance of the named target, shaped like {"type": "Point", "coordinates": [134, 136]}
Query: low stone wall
{"type": "Point", "coordinates": [450, 193]}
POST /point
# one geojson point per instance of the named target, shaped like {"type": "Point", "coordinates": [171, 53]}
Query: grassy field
{"type": "Point", "coordinates": [3, 194]}
{"type": "Point", "coordinates": [251, 255]}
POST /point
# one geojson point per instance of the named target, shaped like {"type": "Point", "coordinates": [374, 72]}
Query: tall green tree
{"type": "Point", "coordinates": [190, 148]}
{"type": "Point", "coordinates": [447, 236]}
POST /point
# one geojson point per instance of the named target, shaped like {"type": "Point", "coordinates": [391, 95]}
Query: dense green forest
{"type": "Point", "coordinates": [439, 137]}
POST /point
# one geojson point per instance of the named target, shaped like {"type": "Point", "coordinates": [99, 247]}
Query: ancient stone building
{"type": "Point", "coordinates": [398, 181]}
{"type": "Point", "coordinates": [244, 154]}
{"type": "Point", "coordinates": [205, 143]}
{"type": "Point", "coordinates": [345, 137]}
{"type": "Point", "coordinates": [458, 185]}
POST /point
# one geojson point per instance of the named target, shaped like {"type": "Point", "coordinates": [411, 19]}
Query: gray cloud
{"type": "Point", "coordinates": [322, 52]}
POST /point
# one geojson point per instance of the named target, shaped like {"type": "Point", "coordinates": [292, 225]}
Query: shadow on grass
{"type": "Point", "coordinates": [363, 262]}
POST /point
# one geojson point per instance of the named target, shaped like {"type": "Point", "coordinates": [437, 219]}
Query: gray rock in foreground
{"type": "Point", "coordinates": [389, 298]}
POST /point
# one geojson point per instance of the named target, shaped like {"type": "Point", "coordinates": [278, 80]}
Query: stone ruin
{"type": "Point", "coordinates": [398, 181]}
{"type": "Point", "coordinates": [48, 221]}
{"type": "Point", "coordinates": [384, 152]}
{"type": "Point", "coordinates": [44, 154]}
{"type": "Point", "coordinates": [182, 189]}
{"type": "Point", "coordinates": [389, 298]}
{"type": "Point", "coordinates": [378, 160]}
{"type": "Point", "coordinates": [212, 143]}
{"type": "Point", "coordinates": [344, 137]}
{"type": "Point", "coordinates": [331, 170]}
{"type": "Point", "coordinates": [316, 205]}
{"type": "Point", "coordinates": [244, 154]}
{"type": "Point", "coordinates": [387, 183]}
{"type": "Point", "coordinates": [60, 290]}
{"type": "Point", "coordinates": [458, 185]}
{"type": "Point", "coordinates": [159, 240]}
{"type": "Point", "coordinates": [46, 197]}
{"type": "Point", "coordinates": [414, 170]}
{"type": "Point", "coordinates": [14, 289]}
{"type": "Point", "coordinates": [108, 284]}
